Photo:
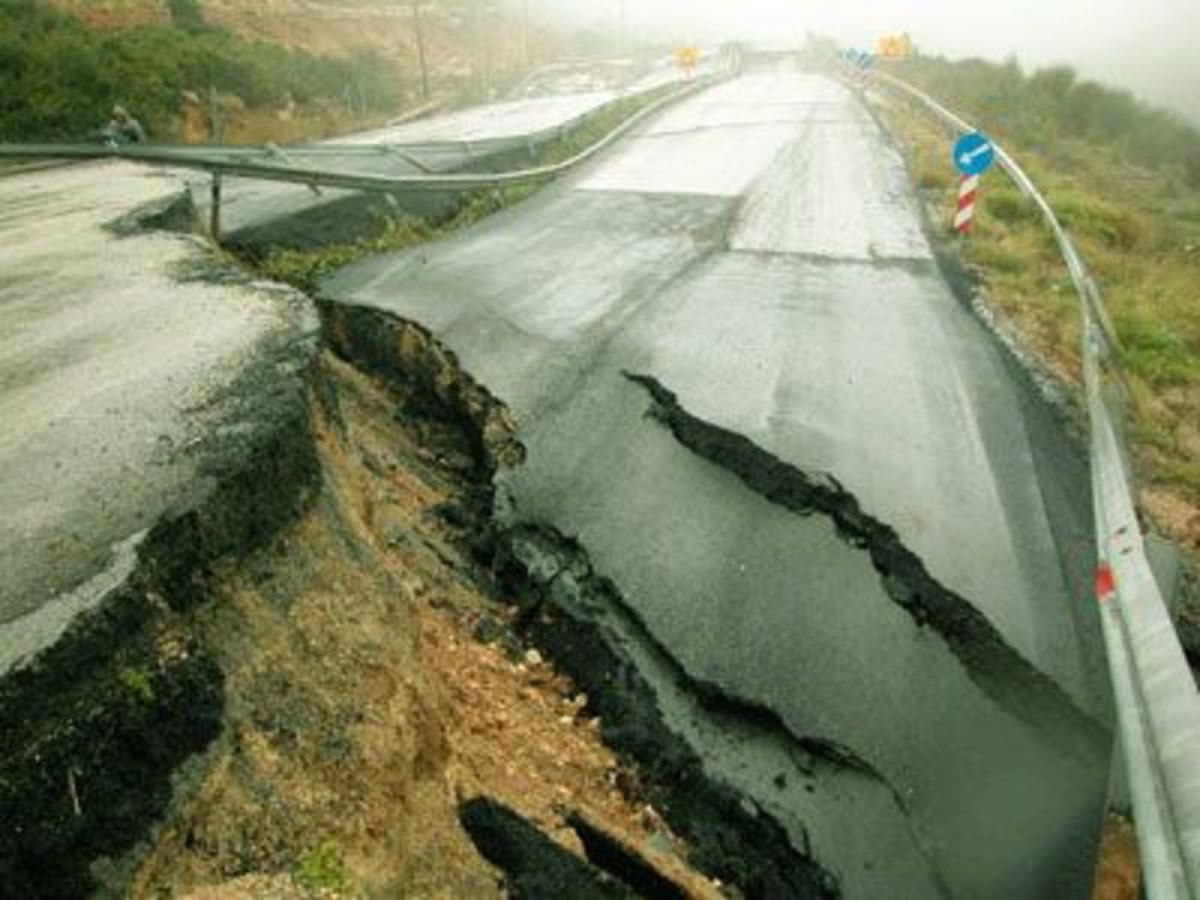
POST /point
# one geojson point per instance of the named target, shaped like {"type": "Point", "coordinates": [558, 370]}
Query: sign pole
{"type": "Point", "coordinates": [968, 193]}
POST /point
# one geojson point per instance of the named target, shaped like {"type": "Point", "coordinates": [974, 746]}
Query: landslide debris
{"type": "Point", "coordinates": [361, 707]}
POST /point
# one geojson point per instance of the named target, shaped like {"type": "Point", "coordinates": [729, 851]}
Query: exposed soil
{"type": "Point", "coordinates": [92, 730]}
{"type": "Point", "coordinates": [362, 706]}
{"type": "Point", "coordinates": [1118, 872]}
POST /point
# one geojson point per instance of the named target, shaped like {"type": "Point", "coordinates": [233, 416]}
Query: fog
{"type": "Point", "coordinates": [1148, 47]}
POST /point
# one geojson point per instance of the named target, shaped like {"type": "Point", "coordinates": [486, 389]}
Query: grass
{"type": "Point", "coordinates": [305, 268]}
{"type": "Point", "coordinates": [321, 869]}
{"type": "Point", "coordinates": [1139, 231]}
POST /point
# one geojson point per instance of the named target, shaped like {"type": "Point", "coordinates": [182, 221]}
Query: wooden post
{"type": "Point", "coordinates": [214, 212]}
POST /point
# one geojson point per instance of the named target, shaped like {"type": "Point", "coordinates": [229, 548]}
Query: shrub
{"type": "Point", "coordinates": [1041, 110]}
{"type": "Point", "coordinates": [1155, 351]}
{"type": "Point", "coordinates": [139, 683]}
{"type": "Point", "coordinates": [321, 869]}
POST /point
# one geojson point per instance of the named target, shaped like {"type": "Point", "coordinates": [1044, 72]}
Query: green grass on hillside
{"type": "Point", "coordinates": [1137, 225]}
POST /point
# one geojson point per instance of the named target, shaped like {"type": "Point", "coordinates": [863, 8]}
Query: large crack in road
{"type": "Point", "coordinates": [1000, 671]}
{"type": "Point", "coordinates": [989, 727]}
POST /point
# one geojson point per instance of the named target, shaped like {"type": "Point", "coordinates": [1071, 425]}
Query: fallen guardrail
{"type": "Point", "coordinates": [1157, 704]}
{"type": "Point", "coordinates": [277, 164]}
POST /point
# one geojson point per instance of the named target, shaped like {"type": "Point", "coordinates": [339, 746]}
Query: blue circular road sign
{"type": "Point", "coordinates": [866, 60]}
{"type": "Point", "coordinates": [974, 153]}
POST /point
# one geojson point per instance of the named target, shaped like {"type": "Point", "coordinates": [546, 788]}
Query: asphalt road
{"type": "Point", "coordinates": [115, 356]}
{"type": "Point", "coordinates": [757, 250]}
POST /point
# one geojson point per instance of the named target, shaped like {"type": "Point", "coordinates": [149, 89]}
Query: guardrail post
{"type": "Point", "coordinates": [214, 212]}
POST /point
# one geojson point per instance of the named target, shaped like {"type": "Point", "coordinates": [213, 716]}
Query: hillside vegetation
{"type": "Point", "coordinates": [1051, 109]}
{"type": "Point", "coordinates": [62, 78]}
{"type": "Point", "coordinates": [1125, 181]}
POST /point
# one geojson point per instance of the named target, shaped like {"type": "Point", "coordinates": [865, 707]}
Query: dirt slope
{"type": "Point", "coordinates": [363, 708]}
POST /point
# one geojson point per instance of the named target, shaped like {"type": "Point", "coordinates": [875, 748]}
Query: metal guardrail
{"type": "Point", "coordinates": [275, 163]}
{"type": "Point", "coordinates": [1158, 706]}
{"type": "Point", "coordinates": [247, 162]}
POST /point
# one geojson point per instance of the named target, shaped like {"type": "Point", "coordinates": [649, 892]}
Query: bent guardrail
{"type": "Point", "coordinates": [270, 163]}
{"type": "Point", "coordinates": [1158, 706]}
{"type": "Point", "coordinates": [240, 162]}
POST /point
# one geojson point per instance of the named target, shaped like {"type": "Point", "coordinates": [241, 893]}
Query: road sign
{"type": "Point", "coordinates": [686, 59]}
{"type": "Point", "coordinates": [894, 46]}
{"type": "Point", "coordinates": [866, 60]}
{"type": "Point", "coordinates": [974, 154]}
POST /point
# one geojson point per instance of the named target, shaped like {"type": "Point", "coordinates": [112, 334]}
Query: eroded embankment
{"type": "Point", "coordinates": [998, 670]}
{"type": "Point", "coordinates": [92, 730]}
{"type": "Point", "coordinates": [374, 686]}
{"type": "Point", "coordinates": [321, 677]}
{"type": "Point", "coordinates": [556, 593]}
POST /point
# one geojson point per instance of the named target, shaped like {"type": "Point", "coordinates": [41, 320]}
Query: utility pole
{"type": "Point", "coordinates": [621, 29]}
{"type": "Point", "coordinates": [420, 34]}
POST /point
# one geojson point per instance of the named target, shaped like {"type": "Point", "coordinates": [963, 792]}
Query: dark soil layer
{"type": "Point", "coordinates": [536, 867]}
{"type": "Point", "coordinates": [730, 839]}
{"type": "Point", "coordinates": [609, 854]}
{"type": "Point", "coordinates": [92, 730]}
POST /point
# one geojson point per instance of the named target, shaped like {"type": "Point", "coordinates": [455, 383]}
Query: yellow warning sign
{"type": "Point", "coordinates": [686, 58]}
{"type": "Point", "coordinates": [894, 46]}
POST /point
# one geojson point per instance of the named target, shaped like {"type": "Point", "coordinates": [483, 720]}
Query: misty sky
{"type": "Point", "coordinates": [1149, 46]}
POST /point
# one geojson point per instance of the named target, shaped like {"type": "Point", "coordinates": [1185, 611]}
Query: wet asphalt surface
{"type": "Point", "coordinates": [757, 250]}
{"type": "Point", "coordinates": [116, 354]}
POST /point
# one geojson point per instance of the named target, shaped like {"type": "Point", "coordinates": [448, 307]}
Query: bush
{"type": "Point", "coordinates": [1045, 108]}
{"type": "Point", "coordinates": [62, 79]}
{"type": "Point", "coordinates": [321, 869]}
{"type": "Point", "coordinates": [1119, 228]}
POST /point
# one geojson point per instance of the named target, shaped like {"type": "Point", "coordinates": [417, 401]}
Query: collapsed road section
{"type": "Point", "coordinates": [336, 621]}
{"type": "Point", "coordinates": [757, 250]}
{"type": "Point", "coordinates": [300, 672]}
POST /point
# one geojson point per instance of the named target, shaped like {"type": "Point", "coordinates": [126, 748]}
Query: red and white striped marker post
{"type": "Point", "coordinates": [968, 193]}
{"type": "Point", "coordinates": [973, 154]}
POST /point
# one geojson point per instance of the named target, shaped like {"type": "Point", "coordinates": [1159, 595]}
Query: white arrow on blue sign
{"type": "Point", "coordinates": [974, 153]}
